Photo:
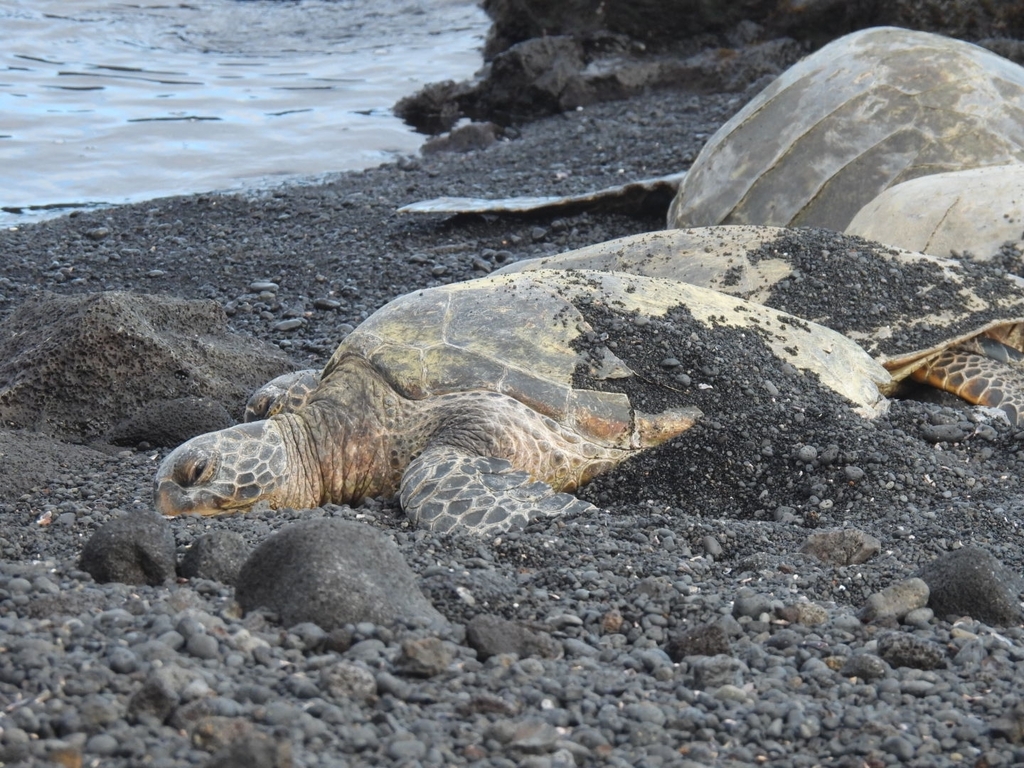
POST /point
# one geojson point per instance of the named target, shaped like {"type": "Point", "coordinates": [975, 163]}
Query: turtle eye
{"type": "Point", "coordinates": [195, 472]}
{"type": "Point", "coordinates": [257, 408]}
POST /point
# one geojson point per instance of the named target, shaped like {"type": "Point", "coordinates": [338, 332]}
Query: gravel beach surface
{"type": "Point", "coordinates": [707, 614]}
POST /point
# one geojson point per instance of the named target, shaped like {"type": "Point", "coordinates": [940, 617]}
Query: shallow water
{"type": "Point", "coordinates": [112, 102]}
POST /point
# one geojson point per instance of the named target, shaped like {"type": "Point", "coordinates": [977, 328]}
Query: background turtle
{"type": "Point", "coordinates": [964, 212]}
{"type": "Point", "coordinates": [956, 325]}
{"type": "Point", "coordinates": [869, 110]}
{"type": "Point", "coordinates": [480, 402]}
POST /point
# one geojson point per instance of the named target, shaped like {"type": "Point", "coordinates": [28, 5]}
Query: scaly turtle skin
{"type": "Point", "coordinates": [955, 325]}
{"type": "Point", "coordinates": [870, 110]}
{"type": "Point", "coordinates": [967, 212]}
{"type": "Point", "coordinates": [480, 403]}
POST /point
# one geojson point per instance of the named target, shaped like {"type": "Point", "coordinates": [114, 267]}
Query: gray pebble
{"type": "Point", "coordinates": [807, 453]}
{"type": "Point", "coordinates": [943, 433]}
{"type": "Point", "coordinates": [203, 646]}
{"type": "Point", "coordinates": [172, 639]}
{"type": "Point", "coordinates": [896, 601]}
{"type": "Point", "coordinates": [919, 617]}
{"type": "Point", "coordinates": [101, 744]}
{"type": "Point", "coordinates": [405, 748]}
{"type": "Point", "coordinates": [866, 666]}
{"type": "Point", "coordinates": [841, 546]}
{"type": "Point", "coordinates": [900, 747]}
{"type": "Point", "coordinates": [645, 712]}
{"type": "Point", "coordinates": [711, 546]}
{"type": "Point", "coordinates": [751, 605]}
{"type": "Point", "coordinates": [345, 680]}
{"type": "Point", "coordinates": [396, 686]}
{"type": "Point", "coordinates": [492, 635]}
{"type": "Point", "coordinates": [903, 650]}
{"type": "Point", "coordinates": [122, 660]}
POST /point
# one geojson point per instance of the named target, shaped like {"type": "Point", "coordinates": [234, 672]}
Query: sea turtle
{"type": "Point", "coordinates": [967, 212]}
{"type": "Point", "coordinates": [481, 403]}
{"type": "Point", "coordinates": [957, 325]}
{"type": "Point", "coordinates": [869, 110]}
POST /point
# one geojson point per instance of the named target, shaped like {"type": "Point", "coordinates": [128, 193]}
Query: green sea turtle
{"type": "Point", "coordinates": [870, 110]}
{"type": "Point", "coordinates": [965, 212]}
{"type": "Point", "coordinates": [480, 404]}
{"type": "Point", "coordinates": [956, 325]}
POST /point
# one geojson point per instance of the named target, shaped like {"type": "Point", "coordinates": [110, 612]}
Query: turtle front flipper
{"type": "Point", "coordinates": [285, 394]}
{"type": "Point", "coordinates": [980, 378]}
{"type": "Point", "coordinates": [447, 487]}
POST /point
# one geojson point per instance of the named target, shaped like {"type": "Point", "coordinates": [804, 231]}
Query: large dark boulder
{"type": "Point", "coordinates": [75, 366]}
{"type": "Point", "coordinates": [332, 572]}
{"type": "Point", "coordinates": [550, 57]}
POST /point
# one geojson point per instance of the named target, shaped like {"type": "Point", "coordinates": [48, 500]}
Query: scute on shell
{"type": "Point", "coordinates": [968, 212]}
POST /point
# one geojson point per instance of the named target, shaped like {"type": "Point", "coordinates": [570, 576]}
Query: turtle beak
{"type": "Point", "coordinates": [173, 500]}
{"type": "Point", "coordinates": [182, 484]}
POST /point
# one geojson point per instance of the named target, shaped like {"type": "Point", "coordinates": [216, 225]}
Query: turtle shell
{"type": "Point", "coordinates": [968, 212]}
{"type": "Point", "coordinates": [902, 307]}
{"type": "Point", "coordinates": [528, 336]}
{"type": "Point", "coordinates": [870, 110]}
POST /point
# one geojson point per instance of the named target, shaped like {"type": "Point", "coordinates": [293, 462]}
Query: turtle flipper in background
{"type": "Point", "coordinates": [980, 378]}
{"type": "Point", "coordinates": [288, 392]}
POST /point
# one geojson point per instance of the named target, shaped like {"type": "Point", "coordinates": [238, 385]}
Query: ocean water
{"type": "Point", "coordinates": [105, 102]}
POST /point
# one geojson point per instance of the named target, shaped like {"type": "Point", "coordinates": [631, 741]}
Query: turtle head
{"type": "Point", "coordinates": [224, 472]}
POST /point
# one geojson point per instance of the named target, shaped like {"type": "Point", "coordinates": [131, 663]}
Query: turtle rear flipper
{"type": "Point", "coordinates": [447, 487]}
{"type": "Point", "coordinates": [979, 379]}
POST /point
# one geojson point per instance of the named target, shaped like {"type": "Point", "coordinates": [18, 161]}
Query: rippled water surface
{"type": "Point", "coordinates": [110, 102]}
